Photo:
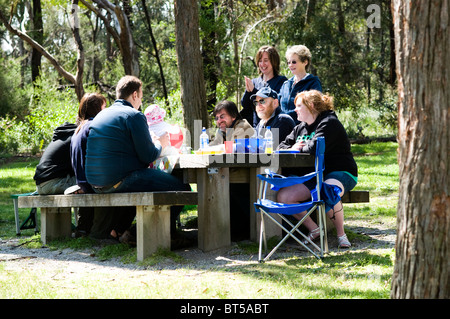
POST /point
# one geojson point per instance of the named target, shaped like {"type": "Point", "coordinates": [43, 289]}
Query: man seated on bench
{"type": "Point", "coordinates": [120, 149]}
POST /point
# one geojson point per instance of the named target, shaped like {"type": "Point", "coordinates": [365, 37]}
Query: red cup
{"type": "Point", "coordinates": [228, 146]}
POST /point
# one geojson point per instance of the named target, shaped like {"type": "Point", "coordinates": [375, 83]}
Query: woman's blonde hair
{"type": "Point", "coordinates": [315, 101]}
{"type": "Point", "coordinates": [302, 52]}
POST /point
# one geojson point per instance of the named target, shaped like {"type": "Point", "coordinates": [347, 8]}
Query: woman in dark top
{"type": "Point", "coordinates": [268, 62]}
{"type": "Point", "coordinates": [317, 119]}
{"type": "Point", "coordinates": [90, 105]}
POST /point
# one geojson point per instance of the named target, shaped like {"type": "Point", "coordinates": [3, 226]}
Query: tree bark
{"type": "Point", "coordinates": [423, 223]}
{"type": "Point", "coordinates": [79, 90]}
{"type": "Point", "coordinates": [190, 66]}
{"type": "Point", "coordinates": [211, 59]}
{"type": "Point", "coordinates": [38, 35]}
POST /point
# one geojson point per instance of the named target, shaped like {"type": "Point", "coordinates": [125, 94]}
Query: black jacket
{"type": "Point", "coordinates": [338, 156]}
{"type": "Point", "coordinates": [55, 162]}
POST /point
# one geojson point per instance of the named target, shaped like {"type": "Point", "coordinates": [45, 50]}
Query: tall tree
{"type": "Point", "coordinates": [422, 41]}
{"type": "Point", "coordinates": [190, 65]}
{"type": "Point", "coordinates": [210, 54]}
{"type": "Point", "coordinates": [38, 35]}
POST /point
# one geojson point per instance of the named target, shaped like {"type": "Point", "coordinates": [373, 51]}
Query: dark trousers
{"type": "Point", "coordinates": [239, 211]}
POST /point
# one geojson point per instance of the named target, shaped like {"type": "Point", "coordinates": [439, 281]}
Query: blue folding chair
{"type": "Point", "coordinates": [268, 207]}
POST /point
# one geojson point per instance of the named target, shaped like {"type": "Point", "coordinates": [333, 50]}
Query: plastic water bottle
{"type": "Point", "coordinates": [268, 136]}
{"type": "Point", "coordinates": [204, 139]}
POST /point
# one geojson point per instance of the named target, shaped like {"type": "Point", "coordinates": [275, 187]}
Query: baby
{"type": "Point", "coordinates": [157, 126]}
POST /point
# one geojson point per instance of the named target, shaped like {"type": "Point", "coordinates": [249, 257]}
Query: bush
{"type": "Point", "coordinates": [49, 108]}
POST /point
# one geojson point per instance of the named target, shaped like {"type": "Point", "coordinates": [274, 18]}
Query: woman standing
{"type": "Point", "coordinates": [268, 62]}
{"type": "Point", "coordinates": [299, 62]}
{"type": "Point", "coordinates": [317, 119]}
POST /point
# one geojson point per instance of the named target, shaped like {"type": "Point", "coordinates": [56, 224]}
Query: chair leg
{"type": "Point", "coordinates": [16, 215]}
{"type": "Point", "coordinates": [262, 237]}
{"type": "Point", "coordinates": [290, 234]}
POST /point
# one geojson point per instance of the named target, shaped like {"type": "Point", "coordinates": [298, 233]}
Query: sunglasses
{"type": "Point", "coordinates": [292, 62]}
{"type": "Point", "coordinates": [262, 102]}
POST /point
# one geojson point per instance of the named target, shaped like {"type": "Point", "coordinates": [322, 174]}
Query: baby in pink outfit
{"type": "Point", "coordinates": [156, 125]}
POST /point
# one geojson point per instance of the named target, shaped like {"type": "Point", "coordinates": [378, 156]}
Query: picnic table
{"type": "Point", "coordinates": [213, 175]}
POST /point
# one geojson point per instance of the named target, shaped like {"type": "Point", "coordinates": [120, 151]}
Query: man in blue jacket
{"type": "Point", "coordinates": [268, 110]}
{"type": "Point", "coordinates": [120, 148]}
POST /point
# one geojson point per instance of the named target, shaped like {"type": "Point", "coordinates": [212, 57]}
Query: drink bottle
{"type": "Point", "coordinates": [204, 139]}
{"type": "Point", "coordinates": [268, 136]}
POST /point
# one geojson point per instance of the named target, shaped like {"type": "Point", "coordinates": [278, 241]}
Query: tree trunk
{"type": "Point", "coordinates": [310, 11]}
{"type": "Point", "coordinates": [190, 66]}
{"type": "Point", "coordinates": [79, 90]}
{"type": "Point", "coordinates": [38, 35]}
{"type": "Point", "coordinates": [422, 267]}
{"type": "Point", "coordinates": [211, 60]}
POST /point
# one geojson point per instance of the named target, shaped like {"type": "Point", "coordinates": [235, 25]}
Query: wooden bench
{"type": "Point", "coordinates": [152, 214]}
{"type": "Point", "coordinates": [356, 197]}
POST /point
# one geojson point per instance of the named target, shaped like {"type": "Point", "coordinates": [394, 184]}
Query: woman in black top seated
{"type": "Point", "coordinates": [317, 118]}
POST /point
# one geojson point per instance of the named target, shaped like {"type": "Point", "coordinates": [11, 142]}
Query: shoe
{"type": "Point", "coordinates": [343, 242]}
{"type": "Point", "coordinates": [75, 189]}
{"type": "Point", "coordinates": [313, 234]}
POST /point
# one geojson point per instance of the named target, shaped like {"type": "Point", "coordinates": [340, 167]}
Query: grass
{"type": "Point", "coordinates": [356, 273]}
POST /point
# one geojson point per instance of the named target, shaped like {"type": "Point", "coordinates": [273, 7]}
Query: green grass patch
{"type": "Point", "coordinates": [359, 273]}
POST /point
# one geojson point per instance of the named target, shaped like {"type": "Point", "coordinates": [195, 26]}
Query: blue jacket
{"type": "Point", "coordinates": [119, 143]}
{"type": "Point", "coordinates": [288, 92]}
{"type": "Point", "coordinates": [282, 122]}
{"type": "Point", "coordinates": [78, 156]}
{"type": "Point", "coordinates": [248, 109]}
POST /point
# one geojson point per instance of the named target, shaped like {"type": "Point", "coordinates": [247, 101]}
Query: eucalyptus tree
{"type": "Point", "coordinates": [422, 41]}
{"type": "Point", "coordinates": [190, 66]}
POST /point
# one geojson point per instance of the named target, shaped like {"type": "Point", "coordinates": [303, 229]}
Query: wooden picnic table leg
{"type": "Point", "coordinates": [213, 209]}
{"type": "Point", "coordinates": [152, 229]}
{"type": "Point", "coordinates": [55, 223]}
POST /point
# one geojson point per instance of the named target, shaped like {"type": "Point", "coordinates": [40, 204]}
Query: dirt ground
{"type": "Point", "coordinates": [16, 257]}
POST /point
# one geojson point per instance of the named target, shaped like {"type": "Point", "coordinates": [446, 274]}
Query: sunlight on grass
{"type": "Point", "coordinates": [361, 273]}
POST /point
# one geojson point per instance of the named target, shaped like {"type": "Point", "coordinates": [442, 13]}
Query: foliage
{"type": "Point", "coordinates": [14, 100]}
{"type": "Point", "coordinates": [351, 59]}
{"type": "Point", "coordinates": [49, 107]}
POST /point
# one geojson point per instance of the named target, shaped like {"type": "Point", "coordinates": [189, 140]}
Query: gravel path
{"type": "Point", "coordinates": [15, 257]}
